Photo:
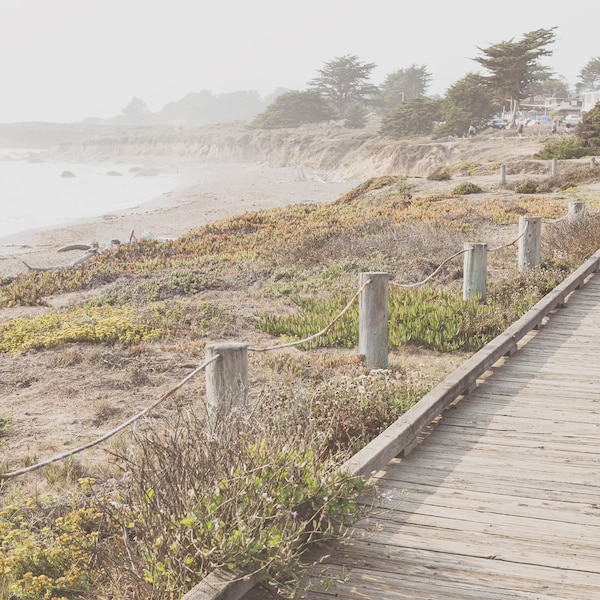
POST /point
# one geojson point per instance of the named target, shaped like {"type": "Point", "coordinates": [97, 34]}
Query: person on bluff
{"type": "Point", "coordinates": [472, 131]}
{"type": "Point", "coordinates": [520, 129]}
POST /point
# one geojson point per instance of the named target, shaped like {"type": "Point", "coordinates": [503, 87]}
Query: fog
{"type": "Point", "coordinates": [69, 59]}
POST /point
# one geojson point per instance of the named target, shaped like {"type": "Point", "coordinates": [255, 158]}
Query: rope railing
{"type": "Point", "coordinates": [553, 221]}
{"type": "Point", "coordinates": [106, 436]}
{"type": "Point", "coordinates": [214, 357]}
{"type": "Point", "coordinates": [410, 285]}
{"type": "Point", "coordinates": [513, 242]}
{"type": "Point", "coordinates": [445, 262]}
{"type": "Point", "coordinates": [319, 333]}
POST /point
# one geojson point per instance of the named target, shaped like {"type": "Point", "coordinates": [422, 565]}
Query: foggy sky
{"type": "Point", "coordinates": [63, 60]}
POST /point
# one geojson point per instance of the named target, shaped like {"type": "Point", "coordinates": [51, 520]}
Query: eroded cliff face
{"type": "Point", "coordinates": [345, 154]}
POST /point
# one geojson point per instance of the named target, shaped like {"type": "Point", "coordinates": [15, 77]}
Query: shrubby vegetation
{"type": "Point", "coordinates": [466, 188]}
{"type": "Point", "coordinates": [584, 142]}
{"type": "Point", "coordinates": [253, 496]}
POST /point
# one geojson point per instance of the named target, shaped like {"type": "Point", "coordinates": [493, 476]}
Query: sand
{"type": "Point", "coordinates": [210, 192]}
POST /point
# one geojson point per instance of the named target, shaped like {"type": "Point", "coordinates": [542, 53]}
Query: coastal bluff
{"type": "Point", "coordinates": [345, 153]}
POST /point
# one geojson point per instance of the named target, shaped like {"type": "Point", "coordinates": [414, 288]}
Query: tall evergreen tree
{"type": "Point", "coordinates": [136, 111]}
{"type": "Point", "coordinates": [344, 81]}
{"type": "Point", "coordinates": [292, 109]}
{"type": "Point", "coordinates": [467, 102]}
{"type": "Point", "coordinates": [590, 74]}
{"type": "Point", "coordinates": [416, 116]}
{"type": "Point", "coordinates": [514, 66]}
{"type": "Point", "coordinates": [402, 85]}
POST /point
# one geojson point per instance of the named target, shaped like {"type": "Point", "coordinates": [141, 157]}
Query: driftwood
{"type": "Point", "coordinates": [94, 249]}
{"type": "Point", "coordinates": [77, 261]}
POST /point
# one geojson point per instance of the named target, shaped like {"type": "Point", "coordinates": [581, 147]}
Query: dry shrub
{"type": "Point", "coordinates": [375, 183]}
{"type": "Point", "coordinates": [572, 240]}
{"type": "Point", "coordinates": [250, 496]}
{"type": "Point", "coordinates": [255, 492]}
{"type": "Point", "coordinates": [441, 174]}
{"type": "Point", "coordinates": [465, 188]}
{"type": "Point", "coordinates": [410, 251]}
{"type": "Point", "coordinates": [568, 176]}
{"type": "Point", "coordinates": [527, 186]}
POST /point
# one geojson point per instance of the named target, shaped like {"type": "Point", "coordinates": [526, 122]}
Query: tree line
{"type": "Point", "coordinates": [512, 72]}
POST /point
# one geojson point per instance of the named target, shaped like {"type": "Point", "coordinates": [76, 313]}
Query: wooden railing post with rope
{"type": "Point", "coordinates": [373, 320]}
{"type": "Point", "coordinates": [576, 209]}
{"type": "Point", "coordinates": [226, 379]}
{"type": "Point", "coordinates": [530, 244]}
{"type": "Point", "coordinates": [475, 271]}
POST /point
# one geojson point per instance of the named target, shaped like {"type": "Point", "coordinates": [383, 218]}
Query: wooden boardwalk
{"type": "Point", "coordinates": [501, 498]}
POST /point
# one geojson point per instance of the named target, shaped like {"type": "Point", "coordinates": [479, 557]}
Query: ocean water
{"type": "Point", "coordinates": [34, 195]}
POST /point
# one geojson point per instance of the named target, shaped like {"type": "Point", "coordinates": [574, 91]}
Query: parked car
{"type": "Point", "coordinates": [497, 124]}
{"type": "Point", "coordinates": [572, 120]}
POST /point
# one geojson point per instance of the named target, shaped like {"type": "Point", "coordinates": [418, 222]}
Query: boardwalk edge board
{"type": "Point", "coordinates": [400, 438]}
{"type": "Point", "coordinates": [222, 584]}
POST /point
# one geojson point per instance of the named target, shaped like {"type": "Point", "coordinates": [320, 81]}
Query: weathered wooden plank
{"type": "Point", "coordinates": [535, 532]}
{"type": "Point", "coordinates": [583, 450]}
{"type": "Point", "coordinates": [438, 575]}
{"type": "Point", "coordinates": [221, 584]}
{"type": "Point", "coordinates": [567, 509]}
{"type": "Point", "coordinates": [491, 482]}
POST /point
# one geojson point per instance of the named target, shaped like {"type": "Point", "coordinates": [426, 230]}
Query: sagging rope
{"type": "Point", "coordinates": [10, 475]}
{"type": "Point", "coordinates": [320, 333]}
{"type": "Point", "coordinates": [556, 220]}
{"type": "Point", "coordinates": [513, 242]}
{"type": "Point", "coordinates": [410, 285]}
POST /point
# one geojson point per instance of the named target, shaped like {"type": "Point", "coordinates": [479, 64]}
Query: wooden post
{"type": "Point", "coordinates": [503, 175]}
{"type": "Point", "coordinates": [373, 320]}
{"type": "Point", "coordinates": [554, 166]}
{"type": "Point", "coordinates": [576, 209]}
{"type": "Point", "coordinates": [530, 253]}
{"type": "Point", "coordinates": [475, 272]}
{"type": "Point", "coordinates": [226, 379]}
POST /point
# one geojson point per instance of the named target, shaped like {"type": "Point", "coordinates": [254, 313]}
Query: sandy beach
{"type": "Point", "coordinates": [210, 192]}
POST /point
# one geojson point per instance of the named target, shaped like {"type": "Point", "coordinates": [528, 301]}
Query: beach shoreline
{"type": "Point", "coordinates": [209, 192]}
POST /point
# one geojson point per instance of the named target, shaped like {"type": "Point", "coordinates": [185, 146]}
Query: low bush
{"type": "Point", "coordinates": [53, 558]}
{"type": "Point", "coordinates": [563, 148]}
{"type": "Point", "coordinates": [527, 186]}
{"type": "Point", "coordinates": [465, 188]}
{"type": "Point", "coordinates": [441, 174]}
{"type": "Point", "coordinates": [250, 498]}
